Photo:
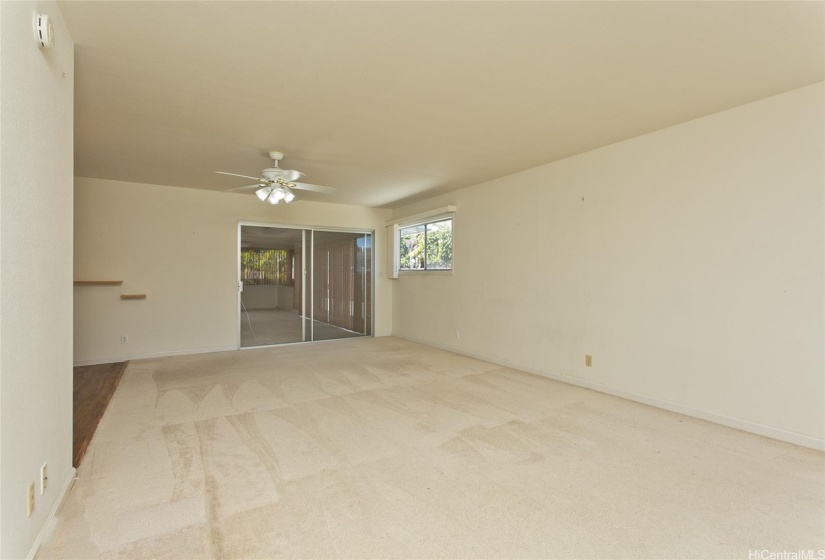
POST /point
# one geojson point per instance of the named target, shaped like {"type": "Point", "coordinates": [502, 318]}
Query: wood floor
{"type": "Point", "coordinates": [93, 389]}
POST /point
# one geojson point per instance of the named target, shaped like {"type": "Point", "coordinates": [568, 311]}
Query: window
{"type": "Point", "coordinates": [427, 246]}
{"type": "Point", "coordinates": [266, 267]}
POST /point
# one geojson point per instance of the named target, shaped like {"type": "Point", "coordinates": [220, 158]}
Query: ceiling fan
{"type": "Point", "coordinates": [276, 184]}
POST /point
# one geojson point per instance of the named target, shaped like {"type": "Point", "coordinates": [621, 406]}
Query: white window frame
{"type": "Point", "coordinates": [394, 228]}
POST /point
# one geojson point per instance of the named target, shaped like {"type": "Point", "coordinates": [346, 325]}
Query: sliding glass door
{"type": "Point", "coordinates": [303, 284]}
{"type": "Point", "coordinates": [272, 310]}
{"type": "Point", "coordinates": [341, 281]}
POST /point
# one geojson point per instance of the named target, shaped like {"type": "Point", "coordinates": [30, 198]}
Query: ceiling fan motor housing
{"type": "Point", "coordinates": [275, 173]}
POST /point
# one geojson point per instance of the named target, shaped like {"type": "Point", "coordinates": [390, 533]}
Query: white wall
{"type": "Point", "coordinates": [179, 246]}
{"type": "Point", "coordinates": [36, 161]}
{"type": "Point", "coordinates": [688, 262]}
{"type": "Point", "coordinates": [268, 297]}
{"type": "Point", "coordinates": [286, 298]}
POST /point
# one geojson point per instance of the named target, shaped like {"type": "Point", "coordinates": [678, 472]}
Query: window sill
{"type": "Point", "coordinates": [425, 272]}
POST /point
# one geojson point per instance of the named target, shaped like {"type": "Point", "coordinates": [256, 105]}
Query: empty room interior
{"type": "Point", "coordinates": [412, 280]}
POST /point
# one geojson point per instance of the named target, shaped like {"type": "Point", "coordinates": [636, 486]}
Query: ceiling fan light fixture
{"type": "Point", "coordinates": [276, 196]}
{"type": "Point", "coordinates": [263, 193]}
{"type": "Point", "coordinates": [288, 196]}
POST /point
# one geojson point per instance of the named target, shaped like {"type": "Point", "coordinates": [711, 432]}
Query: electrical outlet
{"type": "Point", "coordinates": [44, 478]}
{"type": "Point", "coordinates": [30, 501]}
{"type": "Point", "coordinates": [588, 360]}
{"type": "Point", "coordinates": [124, 339]}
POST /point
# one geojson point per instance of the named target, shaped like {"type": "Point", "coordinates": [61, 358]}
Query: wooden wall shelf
{"type": "Point", "coordinates": [98, 282]}
{"type": "Point", "coordinates": [132, 296]}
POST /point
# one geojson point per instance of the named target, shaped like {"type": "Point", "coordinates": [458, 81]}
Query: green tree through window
{"type": "Point", "coordinates": [266, 267]}
{"type": "Point", "coordinates": [427, 246]}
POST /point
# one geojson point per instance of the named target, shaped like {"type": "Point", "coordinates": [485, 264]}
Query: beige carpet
{"type": "Point", "coordinates": [380, 448]}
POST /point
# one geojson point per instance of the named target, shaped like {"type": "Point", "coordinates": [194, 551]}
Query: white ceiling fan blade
{"type": "Point", "coordinates": [313, 188]}
{"type": "Point", "coordinates": [236, 175]}
{"type": "Point", "coordinates": [256, 186]}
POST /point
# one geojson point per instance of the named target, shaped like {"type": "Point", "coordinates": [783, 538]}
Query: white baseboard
{"type": "Point", "coordinates": [729, 421]}
{"type": "Point", "coordinates": [124, 358]}
{"type": "Point", "coordinates": [50, 518]}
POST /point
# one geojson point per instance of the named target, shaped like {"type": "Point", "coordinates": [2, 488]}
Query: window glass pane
{"type": "Point", "coordinates": [411, 252]}
{"type": "Point", "coordinates": [427, 246]}
{"type": "Point", "coordinates": [266, 267]}
{"type": "Point", "coordinates": [412, 229]}
{"type": "Point", "coordinates": [440, 245]}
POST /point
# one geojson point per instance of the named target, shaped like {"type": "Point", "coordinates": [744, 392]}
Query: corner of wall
{"type": "Point", "coordinates": [36, 197]}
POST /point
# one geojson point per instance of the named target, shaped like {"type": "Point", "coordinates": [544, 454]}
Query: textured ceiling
{"type": "Point", "coordinates": [394, 101]}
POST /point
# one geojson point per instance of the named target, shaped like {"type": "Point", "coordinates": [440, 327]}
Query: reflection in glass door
{"type": "Point", "coordinates": [301, 285]}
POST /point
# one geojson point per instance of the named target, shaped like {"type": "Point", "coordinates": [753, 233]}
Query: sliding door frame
{"type": "Point", "coordinates": [304, 229]}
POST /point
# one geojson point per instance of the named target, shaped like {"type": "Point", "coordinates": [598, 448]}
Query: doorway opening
{"type": "Point", "coordinates": [303, 284]}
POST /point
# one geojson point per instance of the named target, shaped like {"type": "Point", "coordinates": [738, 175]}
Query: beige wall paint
{"type": "Point", "coordinates": [688, 262]}
{"type": "Point", "coordinates": [179, 246]}
{"type": "Point", "coordinates": [268, 297]}
{"type": "Point", "coordinates": [35, 270]}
